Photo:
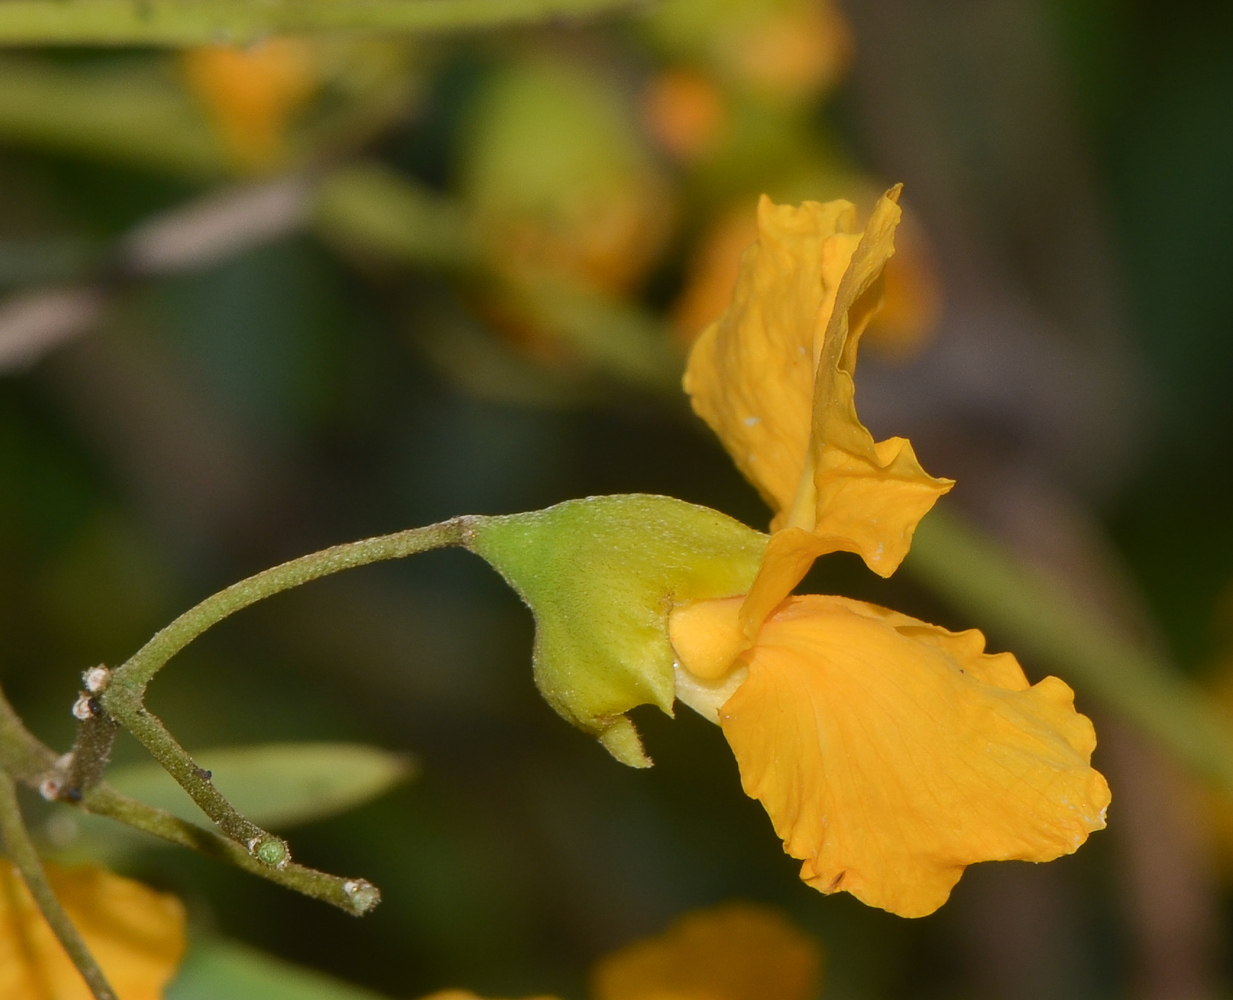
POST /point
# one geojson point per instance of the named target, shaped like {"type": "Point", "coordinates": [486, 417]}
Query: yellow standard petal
{"type": "Point", "coordinates": [751, 374]}
{"type": "Point", "coordinates": [135, 933]}
{"type": "Point", "coordinates": [733, 952]}
{"type": "Point", "coordinates": [773, 378]}
{"type": "Point", "coordinates": [890, 753]}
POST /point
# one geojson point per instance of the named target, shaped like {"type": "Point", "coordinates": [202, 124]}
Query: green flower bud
{"type": "Point", "coordinates": [601, 576]}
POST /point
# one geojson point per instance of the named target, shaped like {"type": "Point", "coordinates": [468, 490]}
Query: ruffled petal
{"type": "Point", "coordinates": [751, 375]}
{"type": "Point", "coordinates": [890, 753]}
{"type": "Point", "coordinates": [870, 493]}
{"type": "Point", "coordinates": [734, 952]}
{"type": "Point", "coordinates": [773, 378]}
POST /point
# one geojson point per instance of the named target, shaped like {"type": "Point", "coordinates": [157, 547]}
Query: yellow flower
{"type": "Point", "coordinates": [251, 95]}
{"type": "Point", "coordinates": [136, 935]}
{"type": "Point", "coordinates": [733, 952]}
{"type": "Point", "coordinates": [737, 951]}
{"type": "Point", "coordinates": [889, 753]}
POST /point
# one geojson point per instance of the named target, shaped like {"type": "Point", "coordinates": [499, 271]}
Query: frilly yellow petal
{"type": "Point", "coordinates": [751, 374]}
{"type": "Point", "coordinates": [773, 378]}
{"type": "Point", "coordinates": [890, 754]}
{"type": "Point", "coordinates": [734, 952]}
{"type": "Point", "coordinates": [135, 933]}
{"type": "Point", "coordinates": [870, 493]}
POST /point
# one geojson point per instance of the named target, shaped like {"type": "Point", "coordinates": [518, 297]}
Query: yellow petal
{"type": "Point", "coordinates": [870, 493]}
{"type": "Point", "coordinates": [890, 753]}
{"type": "Point", "coordinates": [135, 933]}
{"type": "Point", "coordinates": [773, 378]}
{"type": "Point", "coordinates": [751, 375]}
{"type": "Point", "coordinates": [734, 952]}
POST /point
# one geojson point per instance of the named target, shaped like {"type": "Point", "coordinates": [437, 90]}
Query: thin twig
{"type": "Point", "coordinates": [25, 858]}
{"type": "Point", "coordinates": [123, 699]}
{"type": "Point", "coordinates": [355, 895]}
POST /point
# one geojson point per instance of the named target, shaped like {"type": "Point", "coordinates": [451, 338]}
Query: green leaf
{"type": "Point", "coordinates": [601, 576]}
{"type": "Point", "coordinates": [276, 785]}
{"type": "Point", "coordinates": [217, 969]}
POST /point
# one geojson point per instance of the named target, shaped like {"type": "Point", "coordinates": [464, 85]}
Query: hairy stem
{"type": "Point", "coordinates": [123, 698]}
{"type": "Point", "coordinates": [23, 855]}
{"type": "Point", "coordinates": [355, 895]}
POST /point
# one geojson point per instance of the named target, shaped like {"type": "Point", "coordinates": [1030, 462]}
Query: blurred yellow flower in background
{"type": "Point", "coordinates": [251, 95]}
{"type": "Point", "coordinates": [135, 933]}
{"type": "Point", "coordinates": [889, 753]}
{"type": "Point", "coordinates": [684, 111]}
{"type": "Point", "coordinates": [783, 50]}
{"type": "Point", "coordinates": [560, 184]}
{"type": "Point", "coordinates": [737, 951]}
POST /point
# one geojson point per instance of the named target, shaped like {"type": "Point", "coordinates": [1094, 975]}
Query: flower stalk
{"type": "Point", "coordinates": [123, 697]}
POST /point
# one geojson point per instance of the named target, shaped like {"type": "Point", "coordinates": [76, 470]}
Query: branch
{"type": "Point", "coordinates": [206, 22]}
{"type": "Point", "coordinates": [123, 697]}
{"type": "Point", "coordinates": [355, 895]}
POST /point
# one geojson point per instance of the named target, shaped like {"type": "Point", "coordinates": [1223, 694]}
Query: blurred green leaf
{"type": "Point", "coordinates": [373, 209]}
{"type": "Point", "coordinates": [217, 969]}
{"type": "Point", "coordinates": [207, 22]}
{"type": "Point", "coordinates": [129, 113]}
{"type": "Point", "coordinates": [275, 784]}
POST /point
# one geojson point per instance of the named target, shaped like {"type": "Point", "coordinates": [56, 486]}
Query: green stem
{"type": "Point", "coordinates": [22, 853]}
{"type": "Point", "coordinates": [355, 895]}
{"type": "Point", "coordinates": [26, 758]}
{"type": "Point", "coordinates": [1031, 613]}
{"type": "Point", "coordinates": [124, 696]}
{"type": "Point", "coordinates": [210, 22]}
{"type": "Point", "coordinates": [22, 754]}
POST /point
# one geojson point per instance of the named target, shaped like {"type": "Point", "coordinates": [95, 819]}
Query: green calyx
{"type": "Point", "coordinates": [601, 576]}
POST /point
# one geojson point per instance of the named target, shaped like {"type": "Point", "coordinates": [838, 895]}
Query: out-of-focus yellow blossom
{"type": "Point", "coordinates": [251, 95]}
{"type": "Point", "coordinates": [912, 304]}
{"type": "Point", "coordinates": [784, 50]}
{"type": "Point", "coordinates": [889, 753]}
{"type": "Point", "coordinates": [135, 933]}
{"type": "Point", "coordinates": [733, 952]}
{"type": "Point", "coordinates": [559, 181]}
{"type": "Point", "coordinates": [684, 111]}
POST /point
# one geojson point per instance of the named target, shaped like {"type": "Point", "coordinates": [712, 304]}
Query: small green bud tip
{"type": "Point", "coordinates": [271, 851]}
{"type": "Point", "coordinates": [361, 895]}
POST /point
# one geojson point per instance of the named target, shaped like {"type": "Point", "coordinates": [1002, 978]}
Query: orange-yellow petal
{"type": "Point", "coordinates": [871, 493]}
{"type": "Point", "coordinates": [733, 952]}
{"type": "Point", "coordinates": [890, 753]}
{"type": "Point", "coordinates": [135, 933]}
{"type": "Point", "coordinates": [773, 378]}
{"type": "Point", "coordinates": [751, 374]}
